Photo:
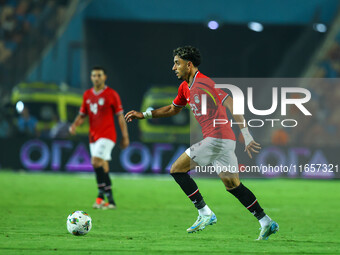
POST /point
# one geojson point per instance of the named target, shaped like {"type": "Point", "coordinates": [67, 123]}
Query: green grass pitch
{"type": "Point", "coordinates": [153, 214]}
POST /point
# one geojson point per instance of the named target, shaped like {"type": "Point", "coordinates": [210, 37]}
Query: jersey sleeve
{"type": "Point", "coordinates": [222, 94]}
{"type": "Point", "coordinates": [180, 100]}
{"type": "Point", "coordinates": [83, 109]}
{"type": "Point", "coordinates": [117, 104]}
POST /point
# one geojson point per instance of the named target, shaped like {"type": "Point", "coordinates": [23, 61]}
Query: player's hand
{"type": "Point", "coordinates": [124, 143]}
{"type": "Point", "coordinates": [72, 129]}
{"type": "Point", "coordinates": [131, 115]}
{"type": "Point", "coordinates": [252, 147]}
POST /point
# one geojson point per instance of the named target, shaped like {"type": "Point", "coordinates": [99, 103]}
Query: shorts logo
{"type": "Point", "coordinates": [101, 101]}
{"type": "Point", "coordinates": [197, 99]}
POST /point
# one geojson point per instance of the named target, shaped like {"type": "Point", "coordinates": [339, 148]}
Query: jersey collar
{"type": "Point", "coordinates": [99, 92]}
{"type": "Point", "coordinates": [193, 80]}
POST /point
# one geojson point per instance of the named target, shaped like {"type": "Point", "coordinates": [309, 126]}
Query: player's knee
{"type": "Point", "coordinates": [175, 168]}
{"type": "Point", "coordinates": [231, 183]}
{"type": "Point", "coordinates": [97, 162]}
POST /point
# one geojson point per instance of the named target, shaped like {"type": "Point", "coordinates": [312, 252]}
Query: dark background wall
{"type": "Point", "coordinates": [138, 55]}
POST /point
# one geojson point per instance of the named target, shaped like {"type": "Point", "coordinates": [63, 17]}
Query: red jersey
{"type": "Point", "coordinates": [202, 85]}
{"type": "Point", "coordinates": [100, 107]}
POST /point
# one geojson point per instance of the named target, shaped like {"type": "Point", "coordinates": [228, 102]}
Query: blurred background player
{"type": "Point", "coordinates": [218, 144]}
{"type": "Point", "coordinates": [101, 103]}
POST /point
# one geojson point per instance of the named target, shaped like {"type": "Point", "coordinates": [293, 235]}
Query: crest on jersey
{"type": "Point", "coordinates": [88, 101]}
{"type": "Point", "coordinates": [101, 101]}
{"type": "Point", "coordinates": [197, 99]}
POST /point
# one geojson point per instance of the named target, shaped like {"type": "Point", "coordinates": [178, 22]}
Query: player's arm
{"type": "Point", "coordinates": [77, 122]}
{"type": "Point", "coordinates": [123, 128]}
{"type": "Point", "coordinates": [166, 111]}
{"type": "Point", "coordinates": [250, 144]}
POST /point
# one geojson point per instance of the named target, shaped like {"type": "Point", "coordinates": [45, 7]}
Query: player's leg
{"type": "Point", "coordinates": [179, 171]}
{"type": "Point", "coordinates": [244, 195]}
{"type": "Point", "coordinates": [249, 201]}
{"type": "Point", "coordinates": [247, 198]}
{"type": "Point", "coordinates": [101, 153]}
{"type": "Point", "coordinates": [108, 189]}
{"type": "Point", "coordinates": [98, 165]}
{"type": "Point", "coordinates": [105, 147]}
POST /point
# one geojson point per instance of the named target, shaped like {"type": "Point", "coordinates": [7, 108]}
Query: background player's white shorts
{"type": "Point", "coordinates": [102, 148]}
{"type": "Point", "coordinates": [220, 153]}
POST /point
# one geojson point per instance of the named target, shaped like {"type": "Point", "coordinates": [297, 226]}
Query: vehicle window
{"type": "Point", "coordinates": [42, 111]}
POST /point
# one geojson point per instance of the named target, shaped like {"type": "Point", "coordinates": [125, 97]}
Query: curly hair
{"type": "Point", "coordinates": [188, 53]}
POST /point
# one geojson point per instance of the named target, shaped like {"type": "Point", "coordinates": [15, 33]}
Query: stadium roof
{"type": "Point", "coordinates": [227, 11]}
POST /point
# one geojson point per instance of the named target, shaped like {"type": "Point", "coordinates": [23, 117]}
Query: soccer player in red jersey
{"type": "Point", "coordinates": [218, 144]}
{"type": "Point", "coordinates": [100, 104]}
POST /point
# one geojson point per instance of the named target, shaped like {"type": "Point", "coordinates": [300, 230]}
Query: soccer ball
{"type": "Point", "coordinates": [79, 223]}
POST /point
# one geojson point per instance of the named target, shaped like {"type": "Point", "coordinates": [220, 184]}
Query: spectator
{"type": "Point", "coordinates": [27, 124]}
{"type": "Point", "coordinates": [60, 129]}
{"type": "Point", "coordinates": [280, 137]}
{"type": "Point", "coordinates": [26, 26]}
{"type": "Point", "coordinates": [4, 52]}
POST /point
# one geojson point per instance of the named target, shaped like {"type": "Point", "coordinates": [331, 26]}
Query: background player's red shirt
{"type": "Point", "coordinates": [193, 95]}
{"type": "Point", "coordinates": [101, 107]}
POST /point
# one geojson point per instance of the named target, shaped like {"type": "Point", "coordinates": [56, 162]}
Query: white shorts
{"type": "Point", "coordinates": [102, 148]}
{"type": "Point", "coordinates": [220, 153]}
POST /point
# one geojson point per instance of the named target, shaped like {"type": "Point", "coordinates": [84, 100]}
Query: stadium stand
{"type": "Point", "coordinates": [26, 27]}
{"type": "Point", "coordinates": [324, 128]}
